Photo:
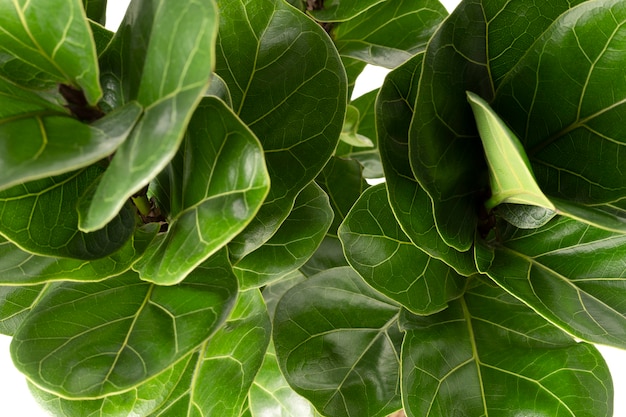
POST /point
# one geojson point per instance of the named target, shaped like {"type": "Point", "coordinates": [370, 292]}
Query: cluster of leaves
{"type": "Point", "coordinates": [186, 229]}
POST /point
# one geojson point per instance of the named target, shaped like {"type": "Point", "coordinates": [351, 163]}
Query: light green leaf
{"type": "Point", "coordinates": [341, 10]}
{"type": "Point", "coordinates": [39, 49]}
{"type": "Point", "coordinates": [224, 183]}
{"type": "Point", "coordinates": [338, 345]}
{"type": "Point", "coordinates": [288, 85]}
{"type": "Point", "coordinates": [387, 260]}
{"type": "Point", "coordinates": [410, 204]}
{"type": "Point", "coordinates": [271, 395]}
{"type": "Point", "coordinates": [18, 267]}
{"type": "Point", "coordinates": [474, 49]}
{"type": "Point", "coordinates": [367, 157]}
{"type": "Point", "coordinates": [390, 32]}
{"type": "Point", "coordinates": [105, 333]}
{"type": "Point", "coordinates": [15, 305]}
{"type": "Point", "coordinates": [566, 271]}
{"type": "Point", "coordinates": [510, 174]}
{"type": "Point", "coordinates": [40, 217]}
{"type": "Point", "coordinates": [349, 133]}
{"type": "Point", "coordinates": [39, 143]}
{"type": "Point", "coordinates": [489, 354]}
{"type": "Point", "coordinates": [167, 70]}
{"type": "Point", "coordinates": [525, 217]}
{"type": "Point", "coordinates": [293, 243]}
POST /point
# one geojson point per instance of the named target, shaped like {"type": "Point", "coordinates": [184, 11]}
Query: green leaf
{"type": "Point", "coordinates": [40, 217]}
{"type": "Point", "coordinates": [288, 85]}
{"type": "Point", "coordinates": [566, 109]}
{"type": "Point", "coordinates": [106, 332]}
{"type": "Point", "coordinates": [142, 400]}
{"type": "Point", "coordinates": [271, 395]}
{"type": "Point", "coordinates": [18, 267]}
{"type": "Point", "coordinates": [329, 254]}
{"type": "Point", "coordinates": [341, 10]}
{"type": "Point", "coordinates": [15, 305]}
{"type": "Point", "coordinates": [566, 271]}
{"type": "Point", "coordinates": [96, 10]}
{"type": "Point", "coordinates": [292, 244]}
{"type": "Point", "coordinates": [410, 204]}
{"type": "Point", "coordinates": [510, 174]}
{"type": "Point", "coordinates": [349, 133]}
{"type": "Point", "coordinates": [233, 357]}
{"type": "Point", "coordinates": [367, 157]}
{"type": "Point", "coordinates": [525, 217]}
{"type": "Point", "coordinates": [40, 49]}
{"type": "Point", "coordinates": [338, 345]}
{"type": "Point", "coordinates": [53, 144]}
{"type": "Point", "coordinates": [387, 260]}
{"type": "Point", "coordinates": [224, 183]}
{"type": "Point", "coordinates": [167, 71]}
{"type": "Point", "coordinates": [499, 357]}
{"type": "Point", "coordinates": [474, 49]}
{"type": "Point", "coordinates": [390, 32]}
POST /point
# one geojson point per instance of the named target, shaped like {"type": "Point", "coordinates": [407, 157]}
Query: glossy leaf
{"type": "Point", "coordinates": [15, 305]}
{"type": "Point", "coordinates": [525, 217]}
{"type": "Point", "coordinates": [224, 182]}
{"type": "Point", "coordinates": [41, 49]}
{"type": "Point", "coordinates": [329, 254]}
{"type": "Point", "coordinates": [288, 85]}
{"type": "Point", "coordinates": [387, 260]}
{"type": "Point", "coordinates": [566, 271]}
{"type": "Point", "coordinates": [143, 400]}
{"type": "Point", "coordinates": [341, 10]}
{"type": "Point", "coordinates": [292, 244]}
{"type": "Point", "coordinates": [349, 133]}
{"type": "Point", "coordinates": [168, 76]}
{"type": "Point", "coordinates": [411, 205]}
{"type": "Point", "coordinates": [489, 354]}
{"type": "Point", "coordinates": [390, 32]}
{"type": "Point", "coordinates": [106, 332]}
{"type": "Point", "coordinates": [40, 217]}
{"type": "Point", "coordinates": [18, 267]}
{"type": "Point", "coordinates": [467, 53]}
{"type": "Point", "coordinates": [510, 175]}
{"type": "Point", "coordinates": [566, 118]}
{"type": "Point", "coordinates": [271, 395]}
{"type": "Point", "coordinates": [53, 144]}
{"type": "Point", "coordinates": [337, 343]}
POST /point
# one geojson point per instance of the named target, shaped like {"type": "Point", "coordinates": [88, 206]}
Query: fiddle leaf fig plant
{"type": "Point", "coordinates": [188, 225]}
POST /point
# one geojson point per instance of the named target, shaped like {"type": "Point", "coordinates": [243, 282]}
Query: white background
{"type": "Point", "coordinates": [16, 401]}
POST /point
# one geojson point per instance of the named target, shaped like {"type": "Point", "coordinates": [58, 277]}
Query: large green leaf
{"type": "Point", "coordinates": [390, 32]}
{"type": "Point", "coordinates": [410, 203]}
{"type": "Point", "coordinates": [384, 256]}
{"type": "Point", "coordinates": [288, 84]}
{"type": "Point", "coordinates": [40, 217]}
{"type": "Point", "coordinates": [510, 175]}
{"type": "Point", "coordinates": [38, 141]}
{"type": "Point", "coordinates": [223, 367]}
{"type": "Point", "coordinates": [15, 305]}
{"type": "Point", "coordinates": [163, 55]}
{"type": "Point", "coordinates": [567, 271]}
{"type": "Point", "coordinates": [114, 335]}
{"type": "Point", "coordinates": [329, 254]}
{"type": "Point", "coordinates": [338, 345]}
{"type": "Point", "coordinates": [18, 267]}
{"type": "Point", "coordinates": [96, 10]}
{"type": "Point", "coordinates": [40, 49]}
{"type": "Point", "coordinates": [467, 53]}
{"type": "Point", "coordinates": [271, 395]}
{"type": "Point", "coordinates": [565, 100]}
{"type": "Point", "coordinates": [488, 354]}
{"type": "Point", "coordinates": [224, 182]}
{"type": "Point", "coordinates": [292, 244]}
